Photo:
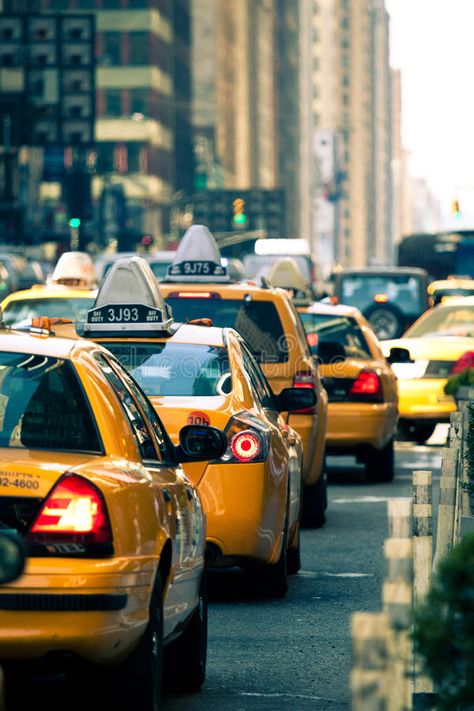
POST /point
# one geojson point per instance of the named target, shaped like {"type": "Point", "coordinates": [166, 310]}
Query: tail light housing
{"type": "Point", "coordinates": [73, 521]}
{"type": "Point", "coordinates": [304, 379]}
{"type": "Point", "coordinates": [248, 440]}
{"type": "Point", "coordinates": [367, 387]}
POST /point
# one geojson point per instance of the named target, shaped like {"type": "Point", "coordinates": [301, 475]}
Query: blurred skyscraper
{"type": "Point", "coordinates": [352, 105]}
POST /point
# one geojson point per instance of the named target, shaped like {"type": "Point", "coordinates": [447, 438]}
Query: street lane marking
{"type": "Point", "coordinates": [283, 695]}
{"type": "Point", "coordinates": [363, 500]}
{"type": "Point", "coordinates": [349, 575]}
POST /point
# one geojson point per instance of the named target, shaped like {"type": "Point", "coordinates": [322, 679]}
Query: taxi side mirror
{"type": "Point", "coordinates": [399, 355]}
{"type": "Point", "coordinates": [12, 557]}
{"type": "Point", "coordinates": [294, 399]}
{"type": "Point", "coordinates": [198, 443]}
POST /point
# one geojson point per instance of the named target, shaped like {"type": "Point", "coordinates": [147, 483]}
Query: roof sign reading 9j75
{"type": "Point", "coordinates": [195, 268]}
{"type": "Point", "coordinates": [125, 313]}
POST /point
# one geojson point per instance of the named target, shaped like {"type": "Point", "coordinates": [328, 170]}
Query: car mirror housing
{"type": "Point", "coordinates": [399, 355]}
{"type": "Point", "coordinates": [12, 557]}
{"type": "Point", "coordinates": [198, 443]}
{"type": "Point", "coordinates": [293, 399]}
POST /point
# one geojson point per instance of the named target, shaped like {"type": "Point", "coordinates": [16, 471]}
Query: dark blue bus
{"type": "Point", "coordinates": [440, 253]}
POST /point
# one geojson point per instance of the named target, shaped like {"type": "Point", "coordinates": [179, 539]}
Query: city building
{"type": "Point", "coordinates": [143, 103]}
{"type": "Point", "coordinates": [352, 102]}
{"type": "Point", "coordinates": [234, 93]}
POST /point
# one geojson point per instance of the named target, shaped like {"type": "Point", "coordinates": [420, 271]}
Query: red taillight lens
{"type": "Point", "coordinates": [246, 446]}
{"type": "Point", "coordinates": [304, 379]}
{"type": "Point", "coordinates": [73, 513]}
{"type": "Point", "coordinates": [248, 440]}
{"type": "Point", "coordinates": [367, 384]}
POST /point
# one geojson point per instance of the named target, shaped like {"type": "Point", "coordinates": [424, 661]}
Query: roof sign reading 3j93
{"type": "Point", "coordinates": [124, 313]}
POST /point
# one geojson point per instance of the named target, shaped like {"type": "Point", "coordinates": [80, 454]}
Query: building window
{"type": "Point", "coordinates": [112, 102]}
{"type": "Point", "coordinates": [105, 157]}
{"type": "Point", "coordinates": [111, 48]}
{"type": "Point", "coordinates": [345, 99]}
{"type": "Point", "coordinates": [139, 101]}
{"type": "Point", "coordinates": [345, 23]}
{"type": "Point", "coordinates": [138, 4]}
{"type": "Point", "coordinates": [133, 155]}
{"type": "Point", "coordinates": [347, 233]}
{"type": "Point", "coordinates": [139, 48]}
{"type": "Point", "coordinates": [111, 5]}
{"type": "Point", "coordinates": [86, 4]}
{"type": "Point", "coordinates": [345, 43]}
{"type": "Point", "coordinates": [345, 80]}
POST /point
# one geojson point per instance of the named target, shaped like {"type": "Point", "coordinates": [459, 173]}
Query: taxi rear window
{"type": "Point", "coordinates": [343, 329]}
{"type": "Point", "coordinates": [177, 369]}
{"type": "Point", "coordinates": [20, 313]}
{"type": "Point", "coordinates": [256, 321]}
{"type": "Point", "coordinates": [42, 405]}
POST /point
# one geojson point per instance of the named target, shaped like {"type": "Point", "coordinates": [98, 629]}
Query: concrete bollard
{"type": "Point", "coordinates": [422, 562]}
{"type": "Point", "coordinates": [448, 493]}
{"type": "Point", "coordinates": [454, 434]}
{"type": "Point", "coordinates": [397, 601]}
{"type": "Point", "coordinates": [464, 501]}
{"type": "Point", "coordinates": [368, 677]}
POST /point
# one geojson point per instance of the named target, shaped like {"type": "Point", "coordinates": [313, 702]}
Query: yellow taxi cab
{"type": "Point", "coordinates": [199, 374]}
{"type": "Point", "coordinates": [423, 359]}
{"type": "Point", "coordinates": [361, 387]}
{"type": "Point", "coordinates": [444, 289]}
{"type": "Point", "coordinates": [70, 292]}
{"type": "Point", "coordinates": [115, 531]}
{"type": "Point", "coordinates": [197, 286]}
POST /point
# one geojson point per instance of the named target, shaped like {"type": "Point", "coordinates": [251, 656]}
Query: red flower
{"type": "Point", "coordinates": [463, 362]}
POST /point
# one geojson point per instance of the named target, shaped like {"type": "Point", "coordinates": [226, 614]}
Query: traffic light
{"type": "Point", "coordinates": [455, 208]}
{"type": "Point", "coordinates": [75, 222]}
{"type": "Point", "coordinates": [240, 218]}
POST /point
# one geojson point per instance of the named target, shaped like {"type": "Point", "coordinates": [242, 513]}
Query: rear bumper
{"type": "Point", "coordinates": [98, 616]}
{"type": "Point", "coordinates": [424, 399]}
{"type": "Point", "coordinates": [355, 425]}
{"type": "Point", "coordinates": [245, 509]}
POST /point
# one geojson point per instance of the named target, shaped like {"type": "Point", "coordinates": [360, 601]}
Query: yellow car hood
{"type": "Point", "coordinates": [441, 348]}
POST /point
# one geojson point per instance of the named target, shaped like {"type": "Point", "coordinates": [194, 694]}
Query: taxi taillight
{"type": "Point", "coordinates": [248, 441]}
{"type": "Point", "coordinates": [73, 520]}
{"type": "Point", "coordinates": [304, 379]}
{"type": "Point", "coordinates": [367, 386]}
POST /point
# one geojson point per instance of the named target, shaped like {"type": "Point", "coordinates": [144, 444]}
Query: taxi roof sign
{"type": "Point", "coordinates": [285, 274]}
{"type": "Point", "coordinates": [75, 269]}
{"type": "Point", "coordinates": [129, 300]}
{"type": "Point", "coordinates": [197, 259]}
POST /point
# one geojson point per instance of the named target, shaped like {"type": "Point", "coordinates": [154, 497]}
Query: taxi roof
{"type": "Point", "coordinates": [185, 333]}
{"type": "Point", "coordinates": [456, 301]}
{"type": "Point", "coordinates": [231, 290]}
{"type": "Point", "coordinates": [452, 283]}
{"type": "Point", "coordinates": [331, 309]}
{"type": "Point", "coordinates": [40, 344]}
{"type": "Point", "coordinates": [41, 291]}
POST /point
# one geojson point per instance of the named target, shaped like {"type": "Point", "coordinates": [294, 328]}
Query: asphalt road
{"type": "Point", "coordinates": [295, 653]}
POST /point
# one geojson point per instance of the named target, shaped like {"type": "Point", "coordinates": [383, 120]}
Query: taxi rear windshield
{"type": "Point", "coordinates": [177, 369]}
{"type": "Point", "coordinates": [342, 329]}
{"type": "Point", "coordinates": [20, 313]}
{"type": "Point", "coordinates": [256, 321]}
{"type": "Point", "coordinates": [42, 405]}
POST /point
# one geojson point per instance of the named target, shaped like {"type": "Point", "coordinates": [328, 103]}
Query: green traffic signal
{"type": "Point", "coordinates": [75, 222]}
{"type": "Point", "coordinates": [240, 218]}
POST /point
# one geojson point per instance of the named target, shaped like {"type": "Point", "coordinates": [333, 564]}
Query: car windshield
{"type": "Point", "coordinates": [257, 321]}
{"type": "Point", "coordinates": [453, 320]}
{"type": "Point", "coordinates": [176, 368]}
{"type": "Point", "coordinates": [403, 290]}
{"type": "Point", "coordinates": [259, 264]}
{"type": "Point", "coordinates": [20, 312]}
{"type": "Point", "coordinates": [42, 405]}
{"type": "Point", "coordinates": [343, 329]}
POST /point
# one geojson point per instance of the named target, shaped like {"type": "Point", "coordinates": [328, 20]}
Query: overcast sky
{"type": "Point", "coordinates": [432, 42]}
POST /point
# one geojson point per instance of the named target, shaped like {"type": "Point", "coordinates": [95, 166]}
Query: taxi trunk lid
{"type": "Point", "coordinates": [176, 412]}
{"type": "Point", "coordinates": [26, 478]}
